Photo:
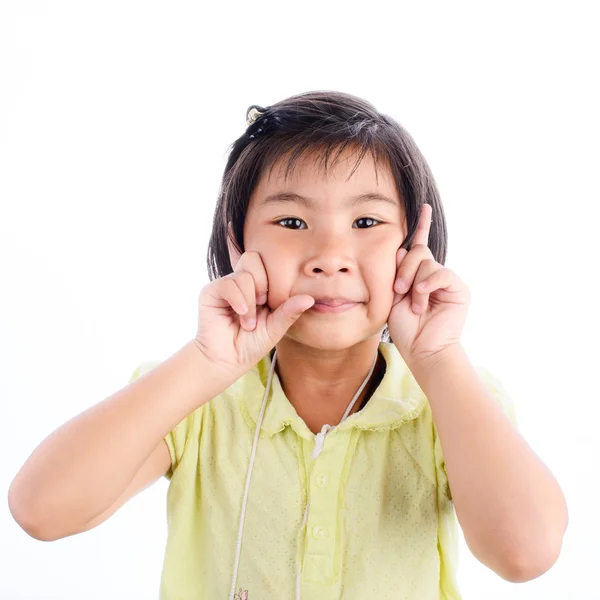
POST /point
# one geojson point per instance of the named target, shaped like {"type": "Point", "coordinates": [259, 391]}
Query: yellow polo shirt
{"type": "Point", "coordinates": [381, 523]}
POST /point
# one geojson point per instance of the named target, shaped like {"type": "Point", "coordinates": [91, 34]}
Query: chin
{"type": "Point", "coordinates": [331, 336]}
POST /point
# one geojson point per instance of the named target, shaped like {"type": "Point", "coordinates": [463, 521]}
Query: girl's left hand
{"type": "Point", "coordinates": [426, 321]}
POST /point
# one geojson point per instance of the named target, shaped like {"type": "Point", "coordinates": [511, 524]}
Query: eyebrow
{"type": "Point", "coordinates": [289, 197]}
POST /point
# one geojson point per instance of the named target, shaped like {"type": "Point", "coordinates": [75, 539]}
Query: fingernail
{"type": "Point", "coordinates": [261, 299]}
{"type": "Point", "coordinates": [251, 323]}
{"type": "Point", "coordinates": [399, 285]}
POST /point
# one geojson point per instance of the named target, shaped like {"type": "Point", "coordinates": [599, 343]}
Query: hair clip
{"type": "Point", "coordinates": [253, 113]}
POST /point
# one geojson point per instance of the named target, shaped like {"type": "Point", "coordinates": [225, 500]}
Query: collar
{"type": "Point", "coordinates": [397, 399]}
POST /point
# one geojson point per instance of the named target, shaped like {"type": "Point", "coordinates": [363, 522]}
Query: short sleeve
{"type": "Point", "coordinates": [177, 437]}
{"type": "Point", "coordinates": [502, 397]}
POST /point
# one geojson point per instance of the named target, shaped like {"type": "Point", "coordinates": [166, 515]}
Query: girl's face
{"type": "Point", "coordinates": [315, 237]}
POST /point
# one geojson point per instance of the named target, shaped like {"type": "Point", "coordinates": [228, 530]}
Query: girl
{"type": "Point", "coordinates": [324, 424]}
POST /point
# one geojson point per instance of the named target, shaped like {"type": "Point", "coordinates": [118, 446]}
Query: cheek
{"type": "Point", "coordinates": [380, 268]}
{"type": "Point", "coordinates": [379, 278]}
{"type": "Point", "coordinates": [380, 255]}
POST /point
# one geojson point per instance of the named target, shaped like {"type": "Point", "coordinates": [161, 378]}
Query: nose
{"type": "Point", "coordinates": [328, 255]}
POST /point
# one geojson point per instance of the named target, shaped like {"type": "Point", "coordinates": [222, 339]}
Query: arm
{"type": "Point", "coordinates": [511, 509]}
{"type": "Point", "coordinates": [89, 464]}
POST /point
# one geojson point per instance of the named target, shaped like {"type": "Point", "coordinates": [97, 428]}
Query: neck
{"type": "Point", "coordinates": [321, 383]}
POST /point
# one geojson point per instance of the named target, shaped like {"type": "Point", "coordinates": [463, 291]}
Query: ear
{"type": "Point", "coordinates": [234, 255]}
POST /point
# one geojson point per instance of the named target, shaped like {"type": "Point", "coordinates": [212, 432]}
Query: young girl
{"type": "Point", "coordinates": [325, 423]}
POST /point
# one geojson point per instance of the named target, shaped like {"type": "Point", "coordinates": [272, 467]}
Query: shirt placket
{"type": "Point", "coordinates": [323, 523]}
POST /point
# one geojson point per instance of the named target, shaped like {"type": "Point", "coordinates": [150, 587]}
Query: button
{"type": "Point", "coordinates": [322, 480]}
{"type": "Point", "coordinates": [319, 532]}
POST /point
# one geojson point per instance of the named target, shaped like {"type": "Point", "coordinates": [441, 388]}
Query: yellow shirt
{"type": "Point", "coordinates": [381, 523]}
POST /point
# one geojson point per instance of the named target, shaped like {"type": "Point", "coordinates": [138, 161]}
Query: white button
{"type": "Point", "coordinates": [322, 480]}
{"type": "Point", "coordinates": [319, 532]}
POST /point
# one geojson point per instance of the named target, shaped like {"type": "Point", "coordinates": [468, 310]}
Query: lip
{"type": "Point", "coordinates": [333, 300]}
{"type": "Point", "coordinates": [322, 307]}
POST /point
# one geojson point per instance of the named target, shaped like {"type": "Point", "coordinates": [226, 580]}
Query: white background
{"type": "Point", "coordinates": [115, 118]}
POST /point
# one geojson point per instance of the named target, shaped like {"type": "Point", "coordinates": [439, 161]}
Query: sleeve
{"type": "Point", "coordinates": [176, 439]}
{"type": "Point", "coordinates": [502, 397]}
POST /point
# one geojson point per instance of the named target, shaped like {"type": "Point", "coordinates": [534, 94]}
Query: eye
{"type": "Point", "coordinates": [368, 221]}
{"type": "Point", "coordinates": [292, 220]}
{"type": "Point", "coordinates": [295, 223]}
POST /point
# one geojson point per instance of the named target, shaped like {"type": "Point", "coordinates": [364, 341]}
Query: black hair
{"type": "Point", "coordinates": [321, 122]}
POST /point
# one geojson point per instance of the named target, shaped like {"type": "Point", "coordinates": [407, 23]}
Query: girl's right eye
{"type": "Point", "coordinates": [292, 220]}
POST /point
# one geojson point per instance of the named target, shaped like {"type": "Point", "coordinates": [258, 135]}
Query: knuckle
{"type": "Point", "coordinates": [247, 285]}
{"type": "Point", "coordinates": [245, 274]}
{"type": "Point", "coordinates": [252, 257]}
{"type": "Point", "coordinates": [251, 282]}
{"type": "Point", "coordinates": [226, 278]}
{"type": "Point", "coordinates": [231, 291]}
{"type": "Point", "coordinates": [256, 259]}
{"type": "Point", "coordinates": [229, 284]}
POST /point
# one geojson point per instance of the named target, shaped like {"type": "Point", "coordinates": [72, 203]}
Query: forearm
{"type": "Point", "coordinates": [510, 507]}
{"type": "Point", "coordinates": [86, 464]}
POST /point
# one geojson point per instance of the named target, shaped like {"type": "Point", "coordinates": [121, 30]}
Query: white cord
{"type": "Point", "coordinates": [319, 445]}
{"type": "Point", "coordinates": [248, 476]}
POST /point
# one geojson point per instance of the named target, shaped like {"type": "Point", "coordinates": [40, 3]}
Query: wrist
{"type": "Point", "coordinates": [426, 366]}
{"type": "Point", "coordinates": [211, 378]}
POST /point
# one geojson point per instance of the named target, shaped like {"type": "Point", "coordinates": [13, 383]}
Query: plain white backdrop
{"type": "Point", "coordinates": [115, 119]}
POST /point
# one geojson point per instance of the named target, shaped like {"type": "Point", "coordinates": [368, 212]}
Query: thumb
{"type": "Point", "coordinates": [282, 318]}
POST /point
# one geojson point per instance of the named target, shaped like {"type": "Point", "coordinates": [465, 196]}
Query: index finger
{"type": "Point", "coordinates": [424, 226]}
{"type": "Point", "coordinates": [252, 263]}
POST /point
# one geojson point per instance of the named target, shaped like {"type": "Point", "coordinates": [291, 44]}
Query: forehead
{"type": "Point", "coordinates": [327, 174]}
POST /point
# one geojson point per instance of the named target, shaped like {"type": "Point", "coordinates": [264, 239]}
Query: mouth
{"type": "Point", "coordinates": [333, 300]}
{"type": "Point", "coordinates": [333, 305]}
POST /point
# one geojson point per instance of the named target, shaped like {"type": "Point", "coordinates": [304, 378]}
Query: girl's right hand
{"type": "Point", "coordinates": [226, 335]}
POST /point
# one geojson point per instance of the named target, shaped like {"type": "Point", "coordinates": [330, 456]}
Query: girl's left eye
{"type": "Point", "coordinates": [367, 220]}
